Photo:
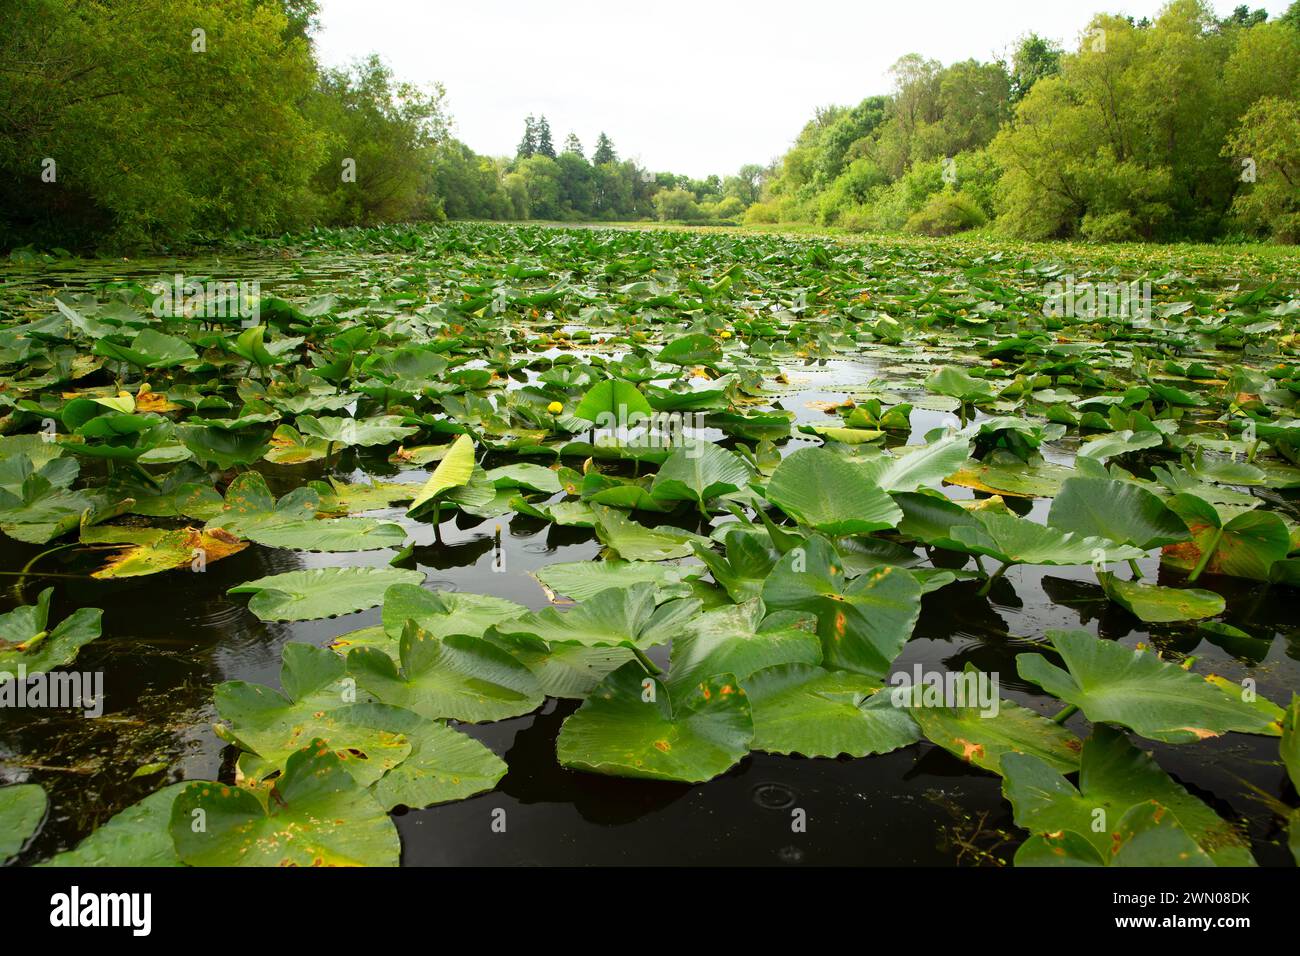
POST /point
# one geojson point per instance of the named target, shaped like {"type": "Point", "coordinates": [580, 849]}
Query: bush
{"type": "Point", "coordinates": [762, 213]}
{"type": "Point", "coordinates": [1109, 227]}
{"type": "Point", "coordinates": [944, 214]}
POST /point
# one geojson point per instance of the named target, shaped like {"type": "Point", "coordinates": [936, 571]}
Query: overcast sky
{"type": "Point", "coordinates": [693, 87]}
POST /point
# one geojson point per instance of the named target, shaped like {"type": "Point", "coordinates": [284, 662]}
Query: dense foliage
{"type": "Point", "coordinates": [161, 121]}
{"type": "Point", "coordinates": [1184, 127]}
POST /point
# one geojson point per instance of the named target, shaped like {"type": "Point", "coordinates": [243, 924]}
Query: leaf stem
{"type": "Point", "coordinates": [1206, 553]}
{"type": "Point", "coordinates": [1133, 566]}
{"type": "Point", "coordinates": [988, 584]}
{"type": "Point", "coordinates": [1066, 713]}
{"type": "Point", "coordinates": [654, 669]}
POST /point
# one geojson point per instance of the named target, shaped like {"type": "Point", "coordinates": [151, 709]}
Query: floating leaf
{"type": "Point", "coordinates": [321, 592]}
{"type": "Point", "coordinates": [632, 725]}
{"type": "Point", "coordinates": [1136, 689]}
{"type": "Point", "coordinates": [315, 814]}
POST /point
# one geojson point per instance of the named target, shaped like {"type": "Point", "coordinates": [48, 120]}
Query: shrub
{"type": "Point", "coordinates": [944, 214]}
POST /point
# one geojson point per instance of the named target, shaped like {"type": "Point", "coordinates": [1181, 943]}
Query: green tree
{"type": "Point", "coordinates": [381, 134]}
{"type": "Point", "coordinates": [1267, 142]}
{"type": "Point", "coordinates": [572, 144]}
{"type": "Point", "coordinates": [528, 144]}
{"type": "Point", "coordinates": [604, 151]}
{"type": "Point", "coordinates": [1034, 59]}
{"type": "Point", "coordinates": [154, 132]}
{"type": "Point", "coordinates": [544, 145]}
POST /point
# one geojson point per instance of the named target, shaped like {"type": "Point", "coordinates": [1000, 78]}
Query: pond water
{"type": "Point", "coordinates": [169, 639]}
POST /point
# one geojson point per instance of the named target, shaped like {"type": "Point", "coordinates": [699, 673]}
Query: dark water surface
{"type": "Point", "coordinates": [170, 638]}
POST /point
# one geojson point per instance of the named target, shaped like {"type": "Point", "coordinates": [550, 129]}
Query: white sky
{"type": "Point", "coordinates": [693, 87]}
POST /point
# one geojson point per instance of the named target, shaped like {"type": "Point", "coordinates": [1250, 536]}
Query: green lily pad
{"type": "Point", "coordinates": [138, 836]}
{"type": "Point", "coordinates": [460, 677]}
{"type": "Point", "coordinates": [1136, 689]}
{"type": "Point", "coordinates": [806, 709]}
{"type": "Point", "coordinates": [863, 622]}
{"type": "Point", "coordinates": [822, 490]}
{"type": "Point", "coordinates": [1160, 605]}
{"type": "Point", "coordinates": [633, 725]}
{"type": "Point", "coordinates": [22, 809]}
{"type": "Point", "coordinates": [321, 592]}
{"type": "Point", "coordinates": [315, 814]}
{"type": "Point", "coordinates": [1114, 776]}
{"type": "Point", "coordinates": [28, 645]}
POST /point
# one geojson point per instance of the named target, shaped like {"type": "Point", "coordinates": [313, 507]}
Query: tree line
{"type": "Point", "coordinates": [162, 122]}
{"type": "Point", "coordinates": [159, 123]}
{"type": "Point", "coordinates": [1185, 127]}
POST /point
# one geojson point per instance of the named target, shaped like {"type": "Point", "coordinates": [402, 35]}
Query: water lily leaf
{"type": "Point", "coordinates": [349, 432]}
{"type": "Point", "coordinates": [1120, 443]}
{"type": "Point", "coordinates": [1014, 540]}
{"type": "Point", "coordinates": [805, 709]}
{"type": "Point", "coordinates": [152, 550]}
{"type": "Point", "coordinates": [138, 836]}
{"type": "Point", "coordinates": [251, 512]}
{"type": "Point", "coordinates": [633, 541]}
{"type": "Point", "coordinates": [317, 702]}
{"type": "Point", "coordinates": [1120, 511]}
{"type": "Point", "coordinates": [315, 814]}
{"type": "Point", "coordinates": [440, 613]}
{"type": "Point", "coordinates": [981, 736]}
{"type": "Point", "coordinates": [633, 725]}
{"type": "Point", "coordinates": [224, 449]}
{"type": "Point", "coordinates": [563, 670]}
{"type": "Point", "coordinates": [525, 475]}
{"type": "Point", "coordinates": [291, 447]}
{"type": "Point", "coordinates": [691, 350]}
{"type": "Point", "coordinates": [916, 465]}
{"type": "Point", "coordinates": [827, 492]}
{"type": "Point", "coordinates": [746, 566]}
{"type": "Point", "coordinates": [1159, 605]}
{"type": "Point", "coordinates": [149, 349]}
{"type": "Point", "coordinates": [608, 618]}
{"type": "Point", "coordinates": [1243, 546]}
{"type": "Point", "coordinates": [460, 677]}
{"type": "Point", "coordinates": [454, 470]}
{"type": "Point", "coordinates": [1005, 474]}
{"type": "Point", "coordinates": [863, 622]}
{"type": "Point", "coordinates": [580, 580]}
{"type": "Point", "coordinates": [741, 639]}
{"type": "Point", "coordinates": [612, 403]}
{"type": "Point", "coordinates": [1147, 835]}
{"type": "Point", "coordinates": [1114, 776]}
{"type": "Point", "coordinates": [444, 765]}
{"type": "Point", "coordinates": [27, 641]}
{"type": "Point", "coordinates": [321, 592]}
{"type": "Point", "coordinates": [1136, 689]}
{"type": "Point", "coordinates": [959, 384]}
{"type": "Point", "coordinates": [22, 810]}
{"type": "Point", "coordinates": [699, 473]}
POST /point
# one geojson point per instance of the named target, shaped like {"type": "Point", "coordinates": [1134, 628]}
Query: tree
{"type": "Point", "coordinates": [1034, 59]}
{"type": "Point", "coordinates": [1268, 143]}
{"type": "Point", "coordinates": [151, 140]}
{"type": "Point", "coordinates": [544, 145]}
{"type": "Point", "coordinates": [605, 150]}
{"type": "Point", "coordinates": [528, 145]}
{"type": "Point", "coordinates": [572, 144]}
{"type": "Point", "coordinates": [675, 204]}
{"type": "Point", "coordinates": [381, 133]}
